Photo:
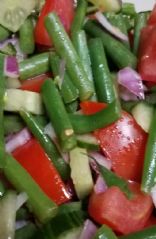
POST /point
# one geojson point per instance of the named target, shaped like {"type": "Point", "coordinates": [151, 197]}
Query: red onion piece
{"type": "Point", "coordinates": [11, 67]}
{"type": "Point", "coordinates": [109, 27]}
{"type": "Point", "coordinates": [89, 230]}
{"type": "Point", "coordinates": [102, 160]}
{"type": "Point", "coordinates": [100, 185]}
{"type": "Point", "coordinates": [17, 140]}
{"type": "Point", "coordinates": [153, 195]}
{"type": "Point", "coordinates": [131, 80]}
{"type": "Point", "coordinates": [21, 199]}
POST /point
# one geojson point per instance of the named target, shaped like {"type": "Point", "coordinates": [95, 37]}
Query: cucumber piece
{"type": "Point", "coordinates": [107, 5]}
{"type": "Point", "coordinates": [143, 113]}
{"type": "Point", "coordinates": [67, 223]}
{"type": "Point", "coordinates": [8, 215]}
{"type": "Point", "coordinates": [71, 234]}
{"type": "Point", "coordinates": [87, 141]}
{"type": "Point", "coordinates": [14, 13]}
{"type": "Point", "coordinates": [81, 172]}
{"type": "Point", "coordinates": [16, 99]}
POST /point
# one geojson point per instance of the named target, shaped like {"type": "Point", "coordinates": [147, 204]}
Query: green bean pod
{"type": "Point", "coordinates": [147, 233]}
{"type": "Point", "coordinates": [79, 17]}
{"type": "Point", "coordinates": [140, 22]}
{"type": "Point", "coordinates": [4, 33]}
{"type": "Point", "coordinates": [58, 115]}
{"type": "Point", "coordinates": [102, 76]}
{"type": "Point", "coordinates": [119, 53]}
{"type": "Point", "coordinates": [34, 66]}
{"type": "Point", "coordinates": [47, 144]}
{"type": "Point", "coordinates": [12, 124]}
{"type": "Point", "coordinates": [87, 123]}
{"type": "Point", "coordinates": [2, 94]}
{"type": "Point", "coordinates": [81, 46]}
{"type": "Point", "coordinates": [105, 232]}
{"type": "Point", "coordinates": [65, 49]}
{"type": "Point", "coordinates": [26, 232]}
{"type": "Point", "coordinates": [42, 206]}
{"type": "Point", "coordinates": [68, 90]}
{"type": "Point", "coordinates": [149, 169]}
{"type": "Point", "coordinates": [26, 37]}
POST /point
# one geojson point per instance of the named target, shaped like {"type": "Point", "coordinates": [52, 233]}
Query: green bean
{"type": "Point", "coordinates": [12, 124]}
{"type": "Point", "coordinates": [26, 37]}
{"type": "Point", "coordinates": [26, 232]}
{"type": "Point", "coordinates": [4, 33]}
{"type": "Point", "coordinates": [118, 21]}
{"type": "Point", "coordinates": [2, 93]}
{"type": "Point", "coordinates": [87, 123]}
{"type": "Point", "coordinates": [149, 169]}
{"type": "Point", "coordinates": [147, 233]}
{"type": "Point", "coordinates": [68, 90]}
{"type": "Point", "coordinates": [58, 115]}
{"type": "Point", "coordinates": [102, 77]}
{"type": "Point", "coordinates": [105, 232]}
{"type": "Point", "coordinates": [128, 105]}
{"type": "Point", "coordinates": [112, 179]}
{"type": "Point", "coordinates": [72, 107]}
{"type": "Point", "coordinates": [47, 144]}
{"type": "Point", "coordinates": [128, 9]}
{"type": "Point", "coordinates": [79, 17]}
{"type": "Point", "coordinates": [119, 53]}
{"type": "Point", "coordinates": [34, 66]}
{"type": "Point", "coordinates": [81, 46]}
{"type": "Point", "coordinates": [42, 206]}
{"type": "Point", "coordinates": [140, 22]}
{"type": "Point", "coordinates": [65, 49]}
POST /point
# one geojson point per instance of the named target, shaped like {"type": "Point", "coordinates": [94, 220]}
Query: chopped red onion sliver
{"type": "Point", "coordinates": [100, 159]}
{"type": "Point", "coordinates": [11, 67]}
{"type": "Point", "coordinates": [100, 185]}
{"type": "Point", "coordinates": [109, 27]}
{"type": "Point", "coordinates": [89, 230]}
{"type": "Point", "coordinates": [17, 140]}
{"type": "Point", "coordinates": [21, 199]}
{"type": "Point", "coordinates": [131, 80]}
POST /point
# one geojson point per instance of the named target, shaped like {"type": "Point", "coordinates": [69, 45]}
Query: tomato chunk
{"type": "Point", "coordinates": [34, 84]}
{"type": "Point", "coordinates": [123, 142]}
{"type": "Point", "coordinates": [33, 158]}
{"type": "Point", "coordinates": [64, 9]}
{"type": "Point", "coordinates": [121, 214]}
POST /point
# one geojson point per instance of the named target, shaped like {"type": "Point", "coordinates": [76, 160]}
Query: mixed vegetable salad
{"type": "Point", "coordinates": [77, 120]}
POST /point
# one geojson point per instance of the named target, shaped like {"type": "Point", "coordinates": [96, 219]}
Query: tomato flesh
{"type": "Point", "coordinates": [123, 215]}
{"type": "Point", "coordinates": [123, 142]}
{"type": "Point", "coordinates": [64, 9]}
{"type": "Point", "coordinates": [33, 158]}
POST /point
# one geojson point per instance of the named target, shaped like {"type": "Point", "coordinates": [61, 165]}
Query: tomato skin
{"type": "Point", "coordinates": [34, 84]}
{"type": "Point", "coordinates": [147, 54]}
{"type": "Point", "coordinates": [64, 9]}
{"type": "Point", "coordinates": [121, 214]}
{"type": "Point", "coordinates": [33, 158]}
{"type": "Point", "coordinates": [123, 142]}
{"type": "Point", "coordinates": [152, 17]}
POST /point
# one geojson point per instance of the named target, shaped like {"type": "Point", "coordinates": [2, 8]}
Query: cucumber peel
{"type": "Point", "coordinates": [14, 13]}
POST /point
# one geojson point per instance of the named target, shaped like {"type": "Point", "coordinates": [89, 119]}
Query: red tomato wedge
{"type": "Point", "coordinates": [152, 17]}
{"type": "Point", "coordinates": [147, 50]}
{"type": "Point", "coordinates": [34, 84]}
{"type": "Point", "coordinates": [123, 215]}
{"type": "Point", "coordinates": [123, 142]}
{"type": "Point", "coordinates": [33, 158]}
{"type": "Point", "coordinates": [64, 9]}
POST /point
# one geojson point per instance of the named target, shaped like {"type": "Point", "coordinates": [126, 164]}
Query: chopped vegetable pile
{"type": "Point", "coordinates": [77, 119]}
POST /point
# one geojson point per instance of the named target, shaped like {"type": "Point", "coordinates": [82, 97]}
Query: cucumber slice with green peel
{"type": "Point", "coordinates": [143, 113]}
{"type": "Point", "coordinates": [14, 12]}
{"type": "Point", "coordinates": [87, 141]}
{"type": "Point", "coordinates": [107, 5]}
